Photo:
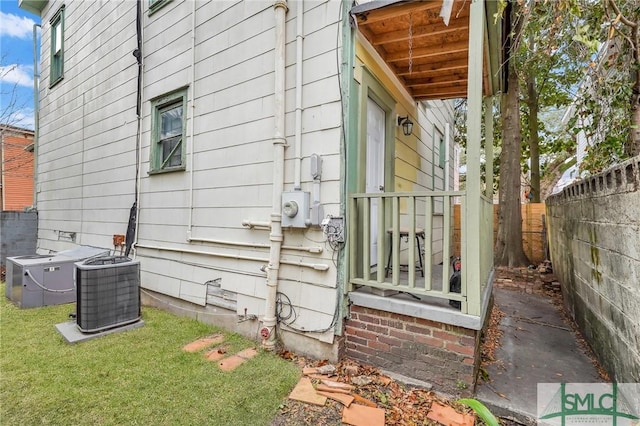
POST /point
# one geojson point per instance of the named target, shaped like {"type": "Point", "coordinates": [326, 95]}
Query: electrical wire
{"type": "Point", "coordinates": [28, 272]}
{"type": "Point", "coordinates": [284, 305]}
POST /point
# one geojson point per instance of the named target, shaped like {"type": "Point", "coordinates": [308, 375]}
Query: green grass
{"type": "Point", "coordinates": [137, 377]}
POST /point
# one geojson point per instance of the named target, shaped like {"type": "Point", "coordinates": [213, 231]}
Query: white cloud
{"type": "Point", "coordinates": [17, 74]}
{"type": "Point", "coordinates": [15, 26]}
{"type": "Point", "coordinates": [24, 118]}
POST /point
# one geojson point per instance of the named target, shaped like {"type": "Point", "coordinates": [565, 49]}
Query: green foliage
{"type": "Point", "coordinates": [481, 410]}
{"type": "Point", "coordinates": [604, 103]}
{"type": "Point", "coordinates": [135, 377]}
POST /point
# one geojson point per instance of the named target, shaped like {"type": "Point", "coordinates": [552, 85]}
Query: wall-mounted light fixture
{"type": "Point", "coordinates": [406, 123]}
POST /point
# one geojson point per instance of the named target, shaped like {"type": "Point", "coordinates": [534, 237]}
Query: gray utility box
{"type": "Point", "coordinates": [45, 279]}
{"type": "Point", "coordinates": [108, 291]}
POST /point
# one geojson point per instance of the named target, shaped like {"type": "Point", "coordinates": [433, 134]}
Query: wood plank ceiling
{"type": "Point", "coordinates": [428, 57]}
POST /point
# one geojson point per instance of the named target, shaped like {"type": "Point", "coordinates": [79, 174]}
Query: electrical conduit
{"type": "Point", "coordinates": [298, 131]}
{"type": "Point", "coordinates": [273, 268]}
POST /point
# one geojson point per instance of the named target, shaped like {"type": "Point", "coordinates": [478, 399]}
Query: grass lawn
{"type": "Point", "coordinates": [138, 377]}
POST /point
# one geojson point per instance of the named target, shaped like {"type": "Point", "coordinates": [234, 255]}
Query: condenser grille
{"type": "Point", "coordinates": [108, 294]}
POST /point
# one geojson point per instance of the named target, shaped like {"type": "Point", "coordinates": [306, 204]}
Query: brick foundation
{"type": "Point", "coordinates": [437, 353]}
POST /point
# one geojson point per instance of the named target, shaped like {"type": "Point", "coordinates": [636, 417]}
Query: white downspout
{"type": "Point", "coordinates": [298, 130]}
{"type": "Point", "coordinates": [193, 114]}
{"type": "Point", "coordinates": [269, 321]}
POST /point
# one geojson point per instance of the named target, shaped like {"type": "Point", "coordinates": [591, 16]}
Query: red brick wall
{"type": "Point", "coordinates": [437, 353]}
{"type": "Point", "coordinates": [17, 172]}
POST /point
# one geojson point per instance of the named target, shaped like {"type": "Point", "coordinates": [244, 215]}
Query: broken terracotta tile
{"type": "Point", "coordinates": [337, 385]}
{"type": "Point", "coordinates": [364, 401]}
{"type": "Point", "coordinates": [360, 415]}
{"type": "Point", "coordinates": [231, 363]}
{"type": "Point", "coordinates": [305, 392]}
{"type": "Point", "coordinates": [309, 370]}
{"type": "Point", "coordinates": [317, 376]}
{"type": "Point", "coordinates": [448, 416]}
{"type": "Point", "coordinates": [326, 388]}
{"type": "Point", "coordinates": [248, 353]}
{"type": "Point", "coordinates": [204, 342]}
{"type": "Point", "coordinates": [216, 353]}
{"type": "Point", "coordinates": [342, 398]}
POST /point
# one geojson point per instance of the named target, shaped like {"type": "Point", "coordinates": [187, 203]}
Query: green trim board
{"type": "Point", "coordinates": [348, 91]}
{"type": "Point", "coordinates": [371, 87]}
{"type": "Point", "coordinates": [155, 5]}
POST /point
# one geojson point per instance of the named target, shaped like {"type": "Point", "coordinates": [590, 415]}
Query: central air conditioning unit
{"type": "Point", "coordinates": [45, 279]}
{"type": "Point", "coordinates": [108, 293]}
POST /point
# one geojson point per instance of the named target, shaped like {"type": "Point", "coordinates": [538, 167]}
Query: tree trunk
{"type": "Point", "coordinates": [534, 141]}
{"type": "Point", "coordinates": [508, 250]}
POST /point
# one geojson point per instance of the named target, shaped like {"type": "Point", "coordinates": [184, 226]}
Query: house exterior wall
{"type": "Point", "coordinates": [88, 148]}
{"type": "Point", "coordinates": [595, 249]}
{"type": "Point", "coordinates": [191, 241]}
{"type": "Point", "coordinates": [17, 169]}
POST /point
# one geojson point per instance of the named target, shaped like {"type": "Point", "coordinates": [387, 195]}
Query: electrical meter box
{"type": "Point", "coordinates": [295, 209]}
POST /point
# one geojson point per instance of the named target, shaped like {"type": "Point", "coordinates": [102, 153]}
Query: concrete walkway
{"type": "Point", "coordinates": [537, 347]}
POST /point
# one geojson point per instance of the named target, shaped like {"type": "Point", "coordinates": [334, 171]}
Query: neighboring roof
{"type": "Point", "coordinates": [16, 130]}
{"type": "Point", "coordinates": [413, 33]}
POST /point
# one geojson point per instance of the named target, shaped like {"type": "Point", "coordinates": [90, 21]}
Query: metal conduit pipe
{"type": "Point", "coordinates": [269, 321]}
{"type": "Point", "coordinates": [193, 116]}
{"type": "Point", "coordinates": [298, 130]}
{"type": "Point", "coordinates": [36, 113]}
{"type": "Point", "coordinates": [257, 245]}
{"type": "Point", "coordinates": [256, 224]}
{"type": "Point", "coordinates": [316, 266]}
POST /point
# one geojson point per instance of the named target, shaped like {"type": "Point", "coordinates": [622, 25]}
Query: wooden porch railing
{"type": "Point", "coordinates": [386, 216]}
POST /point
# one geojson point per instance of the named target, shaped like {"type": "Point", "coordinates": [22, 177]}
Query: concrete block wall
{"type": "Point", "coordinates": [594, 230]}
{"type": "Point", "coordinates": [441, 354]}
{"type": "Point", "coordinates": [18, 234]}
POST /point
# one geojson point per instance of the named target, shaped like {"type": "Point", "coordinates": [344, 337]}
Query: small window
{"type": "Point", "coordinates": [57, 47]}
{"type": "Point", "coordinates": [168, 130]}
{"type": "Point", "coordinates": [155, 5]}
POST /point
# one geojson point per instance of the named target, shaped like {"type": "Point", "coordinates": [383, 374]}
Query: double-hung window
{"type": "Point", "coordinates": [168, 131]}
{"type": "Point", "coordinates": [57, 47]}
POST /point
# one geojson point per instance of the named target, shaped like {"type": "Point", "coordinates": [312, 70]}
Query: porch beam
{"type": "Point", "coordinates": [471, 261]}
{"type": "Point", "coordinates": [436, 67]}
{"type": "Point", "coordinates": [442, 48]}
{"type": "Point", "coordinates": [400, 10]}
{"type": "Point", "coordinates": [426, 31]}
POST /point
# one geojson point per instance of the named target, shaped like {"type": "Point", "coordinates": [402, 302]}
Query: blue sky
{"type": "Point", "coordinates": [16, 64]}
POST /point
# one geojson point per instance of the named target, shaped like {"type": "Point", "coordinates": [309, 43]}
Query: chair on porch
{"type": "Point", "coordinates": [404, 233]}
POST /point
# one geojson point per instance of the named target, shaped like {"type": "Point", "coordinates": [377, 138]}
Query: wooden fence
{"type": "Point", "coordinates": [533, 230]}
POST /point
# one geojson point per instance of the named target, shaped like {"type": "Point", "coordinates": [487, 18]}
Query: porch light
{"type": "Point", "coordinates": [407, 125]}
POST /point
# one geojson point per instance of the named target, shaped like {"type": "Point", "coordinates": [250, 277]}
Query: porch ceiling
{"type": "Point", "coordinates": [412, 33]}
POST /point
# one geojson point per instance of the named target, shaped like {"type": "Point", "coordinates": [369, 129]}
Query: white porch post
{"type": "Point", "coordinates": [471, 267]}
